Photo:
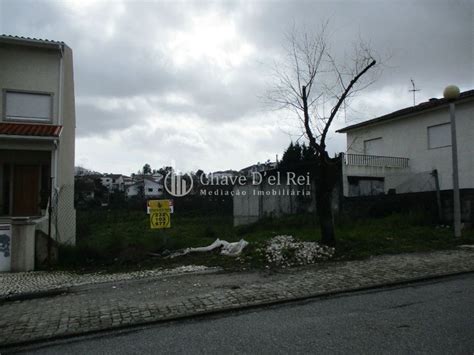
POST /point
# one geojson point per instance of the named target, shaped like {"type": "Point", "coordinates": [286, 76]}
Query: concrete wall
{"type": "Point", "coordinates": [408, 137]}
{"type": "Point", "coordinates": [65, 176]}
{"type": "Point", "coordinates": [253, 202]}
{"type": "Point", "coordinates": [23, 246]}
{"type": "Point", "coordinates": [247, 205]}
{"type": "Point", "coordinates": [393, 176]}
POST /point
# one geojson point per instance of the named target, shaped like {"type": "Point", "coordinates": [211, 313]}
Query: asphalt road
{"type": "Point", "coordinates": [436, 317]}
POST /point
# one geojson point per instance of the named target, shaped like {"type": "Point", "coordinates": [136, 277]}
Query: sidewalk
{"type": "Point", "coordinates": [95, 307]}
{"type": "Point", "coordinates": [24, 285]}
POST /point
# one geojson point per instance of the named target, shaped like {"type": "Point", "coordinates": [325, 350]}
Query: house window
{"type": "Point", "coordinates": [28, 106]}
{"type": "Point", "coordinates": [150, 189]}
{"type": "Point", "coordinates": [439, 136]}
{"type": "Point", "coordinates": [373, 146]}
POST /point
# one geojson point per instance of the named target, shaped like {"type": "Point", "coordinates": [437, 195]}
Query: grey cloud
{"type": "Point", "coordinates": [431, 41]}
{"type": "Point", "coordinates": [96, 121]}
{"type": "Point", "coordinates": [119, 54]}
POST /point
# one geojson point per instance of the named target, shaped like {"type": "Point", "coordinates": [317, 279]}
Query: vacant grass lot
{"type": "Point", "coordinates": [123, 239]}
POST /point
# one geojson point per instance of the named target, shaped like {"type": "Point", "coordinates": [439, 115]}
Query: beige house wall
{"type": "Point", "coordinates": [34, 68]}
{"type": "Point", "coordinates": [30, 69]}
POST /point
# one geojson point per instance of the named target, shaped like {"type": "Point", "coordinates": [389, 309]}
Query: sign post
{"type": "Point", "coordinates": [154, 204]}
{"type": "Point", "coordinates": [160, 214]}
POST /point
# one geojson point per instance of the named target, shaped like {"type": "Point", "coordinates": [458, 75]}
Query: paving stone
{"type": "Point", "coordinates": [30, 282]}
{"type": "Point", "coordinates": [101, 308]}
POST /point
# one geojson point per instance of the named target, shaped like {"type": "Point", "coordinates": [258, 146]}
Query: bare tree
{"type": "Point", "coordinates": [308, 81]}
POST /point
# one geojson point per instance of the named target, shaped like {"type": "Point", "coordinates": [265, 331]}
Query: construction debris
{"type": "Point", "coordinates": [284, 250]}
{"type": "Point", "coordinates": [228, 249]}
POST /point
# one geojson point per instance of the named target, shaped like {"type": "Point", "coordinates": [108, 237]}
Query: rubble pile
{"type": "Point", "coordinates": [284, 250]}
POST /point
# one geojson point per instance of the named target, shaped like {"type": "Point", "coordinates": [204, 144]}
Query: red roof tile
{"type": "Point", "coordinates": [30, 129]}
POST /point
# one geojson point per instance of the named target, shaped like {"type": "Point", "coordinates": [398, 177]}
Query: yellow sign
{"type": "Point", "coordinates": [160, 218]}
{"type": "Point", "coordinates": [159, 204]}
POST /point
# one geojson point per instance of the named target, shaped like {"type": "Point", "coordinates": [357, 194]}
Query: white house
{"type": "Point", "coordinates": [258, 168]}
{"type": "Point", "coordinates": [401, 152]}
{"type": "Point", "coordinates": [147, 186]}
{"type": "Point", "coordinates": [115, 182]}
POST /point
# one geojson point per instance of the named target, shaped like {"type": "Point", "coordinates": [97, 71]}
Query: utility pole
{"type": "Point", "coordinates": [451, 93]}
{"type": "Point", "coordinates": [454, 149]}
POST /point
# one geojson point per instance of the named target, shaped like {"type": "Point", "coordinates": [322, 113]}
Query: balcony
{"type": "Point", "coordinates": [375, 161]}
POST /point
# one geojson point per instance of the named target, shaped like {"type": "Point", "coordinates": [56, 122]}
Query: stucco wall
{"type": "Point", "coordinates": [66, 151]}
{"type": "Point", "coordinates": [408, 137]}
{"type": "Point", "coordinates": [32, 69]}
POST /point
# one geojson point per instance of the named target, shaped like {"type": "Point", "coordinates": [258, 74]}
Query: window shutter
{"type": "Point", "coordinates": [439, 136]}
{"type": "Point", "coordinates": [28, 106]}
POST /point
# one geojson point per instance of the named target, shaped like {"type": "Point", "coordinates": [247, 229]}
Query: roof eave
{"type": "Point", "coordinates": [381, 120]}
{"type": "Point", "coordinates": [15, 136]}
{"type": "Point", "coordinates": [31, 42]}
{"type": "Point", "coordinates": [384, 119]}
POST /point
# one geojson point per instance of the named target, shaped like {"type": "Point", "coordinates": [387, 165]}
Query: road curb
{"type": "Point", "coordinates": [198, 314]}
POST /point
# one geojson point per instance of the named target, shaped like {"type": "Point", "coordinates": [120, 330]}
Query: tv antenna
{"type": "Point", "coordinates": [414, 90]}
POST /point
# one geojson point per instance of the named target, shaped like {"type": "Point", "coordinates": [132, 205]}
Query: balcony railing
{"type": "Point", "coordinates": [376, 160]}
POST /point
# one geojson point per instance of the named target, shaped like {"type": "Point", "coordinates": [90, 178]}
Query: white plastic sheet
{"type": "Point", "coordinates": [228, 249]}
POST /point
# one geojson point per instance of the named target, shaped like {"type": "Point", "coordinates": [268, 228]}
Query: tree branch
{"type": "Point", "coordinates": [307, 126]}
{"type": "Point", "coordinates": [341, 100]}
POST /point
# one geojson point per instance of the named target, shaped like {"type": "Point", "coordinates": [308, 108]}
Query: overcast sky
{"type": "Point", "coordinates": [168, 82]}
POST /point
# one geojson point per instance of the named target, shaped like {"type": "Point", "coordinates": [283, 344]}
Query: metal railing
{"type": "Point", "coordinates": [376, 160]}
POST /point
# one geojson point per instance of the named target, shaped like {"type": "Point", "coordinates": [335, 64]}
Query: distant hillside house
{"type": "Point", "coordinates": [115, 182]}
{"type": "Point", "coordinates": [146, 187]}
{"type": "Point", "coordinates": [221, 175]}
{"type": "Point", "coordinates": [258, 168]}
